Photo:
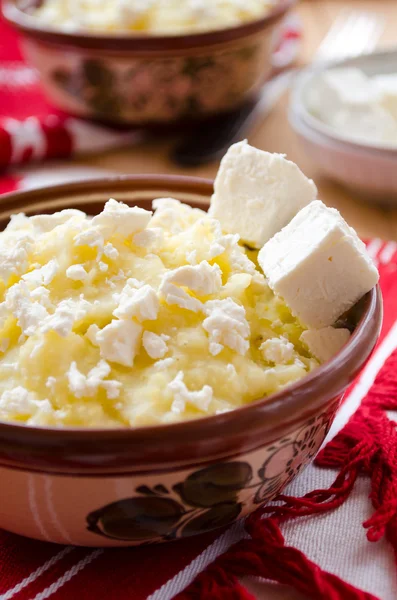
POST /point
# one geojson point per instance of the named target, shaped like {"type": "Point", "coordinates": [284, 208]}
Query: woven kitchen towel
{"type": "Point", "coordinates": [32, 129]}
{"type": "Point", "coordinates": [327, 556]}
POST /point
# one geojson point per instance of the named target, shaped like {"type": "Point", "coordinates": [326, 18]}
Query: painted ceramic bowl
{"type": "Point", "coordinates": [149, 79]}
{"type": "Point", "coordinates": [137, 486]}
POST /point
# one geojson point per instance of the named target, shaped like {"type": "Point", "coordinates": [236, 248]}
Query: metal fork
{"type": "Point", "coordinates": [353, 32]}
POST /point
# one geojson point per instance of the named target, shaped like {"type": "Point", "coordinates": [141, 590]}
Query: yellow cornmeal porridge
{"type": "Point", "coordinates": [130, 319]}
{"type": "Point", "coordinates": [169, 17]}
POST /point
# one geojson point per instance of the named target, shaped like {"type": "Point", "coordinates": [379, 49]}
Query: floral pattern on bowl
{"type": "Point", "coordinates": [210, 497]}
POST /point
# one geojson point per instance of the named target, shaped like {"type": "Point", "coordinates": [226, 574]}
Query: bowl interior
{"type": "Point", "coordinates": [218, 435]}
{"type": "Point", "coordinates": [378, 63]}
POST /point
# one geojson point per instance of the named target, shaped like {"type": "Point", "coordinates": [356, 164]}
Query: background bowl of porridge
{"type": "Point", "coordinates": [149, 77]}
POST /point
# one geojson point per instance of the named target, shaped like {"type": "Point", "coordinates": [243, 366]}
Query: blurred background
{"type": "Point", "coordinates": [354, 28]}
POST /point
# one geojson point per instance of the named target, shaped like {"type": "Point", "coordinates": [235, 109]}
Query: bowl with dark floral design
{"type": "Point", "coordinates": [144, 79]}
{"type": "Point", "coordinates": [123, 487]}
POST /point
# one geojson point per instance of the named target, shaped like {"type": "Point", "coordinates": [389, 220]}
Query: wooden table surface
{"type": "Point", "coordinates": [274, 133]}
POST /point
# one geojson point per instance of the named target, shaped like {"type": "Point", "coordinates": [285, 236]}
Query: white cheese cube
{"type": "Point", "coordinates": [318, 265]}
{"type": "Point", "coordinates": [324, 343]}
{"type": "Point", "coordinates": [256, 193]}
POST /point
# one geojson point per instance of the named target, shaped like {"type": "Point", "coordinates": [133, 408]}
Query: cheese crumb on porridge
{"type": "Point", "coordinates": [167, 17]}
{"type": "Point", "coordinates": [137, 317]}
{"type": "Point", "coordinates": [150, 339]}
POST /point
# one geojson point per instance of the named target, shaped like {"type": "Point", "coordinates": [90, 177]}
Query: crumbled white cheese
{"type": "Point", "coordinates": [88, 385]}
{"type": "Point", "coordinates": [191, 257]}
{"type": "Point", "coordinates": [91, 237]}
{"type": "Point", "coordinates": [66, 314]}
{"type": "Point", "coordinates": [46, 223]}
{"type": "Point", "coordinates": [318, 265]}
{"type": "Point", "coordinates": [22, 402]}
{"type": "Point", "coordinates": [41, 294]}
{"type": "Point", "coordinates": [141, 303]}
{"type": "Point", "coordinates": [222, 242]}
{"type": "Point", "coordinates": [277, 350]}
{"type": "Point", "coordinates": [176, 295]}
{"type": "Point", "coordinates": [76, 273]}
{"type": "Point", "coordinates": [110, 251]}
{"type": "Point", "coordinates": [36, 348]}
{"type": "Point", "coordinates": [326, 342]}
{"type": "Point", "coordinates": [171, 215]}
{"type": "Point", "coordinates": [119, 341]}
{"type": "Point", "coordinates": [200, 399]}
{"type": "Point", "coordinates": [92, 333]}
{"type": "Point", "coordinates": [256, 193]}
{"type": "Point", "coordinates": [120, 219]}
{"type": "Point", "coordinates": [44, 275]}
{"type": "Point", "coordinates": [155, 345]}
{"type": "Point", "coordinates": [163, 364]}
{"type": "Point", "coordinates": [14, 256]}
{"type": "Point", "coordinates": [18, 222]}
{"type": "Point", "coordinates": [229, 244]}
{"type": "Point", "coordinates": [51, 383]}
{"type": "Point", "coordinates": [259, 284]}
{"type": "Point", "coordinates": [131, 12]}
{"type": "Point", "coordinates": [103, 267]}
{"type": "Point", "coordinates": [227, 325]}
{"type": "Point", "coordinates": [231, 369]}
{"type": "Point", "coordinates": [29, 315]}
{"type": "Point", "coordinates": [112, 281]}
{"type": "Point", "coordinates": [153, 236]}
{"type": "Point", "coordinates": [204, 279]}
{"type": "Point", "coordinates": [149, 17]}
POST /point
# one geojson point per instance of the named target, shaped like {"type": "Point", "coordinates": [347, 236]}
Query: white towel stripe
{"type": "Point", "coordinates": [186, 576]}
{"type": "Point", "coordinates": [388, 252]}
{"type": "Point", "coordinates": [36, 574]}
{"type": "Point", "coordinates": [54, 587]}
{"type": "Point", "coordinates": [374, 246]}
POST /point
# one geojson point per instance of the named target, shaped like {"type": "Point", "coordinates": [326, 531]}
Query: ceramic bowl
{"type": "Point", "coordinates": [137, 79]}
{"type": "Point", "coordinates": [369, 169]}
{"type": "Point", "coordinates": [136, 486]}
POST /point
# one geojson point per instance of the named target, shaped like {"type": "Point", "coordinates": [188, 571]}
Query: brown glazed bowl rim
{"type": "Point", "coordinates": [31, 26]}
{"type": "Point", "coordinates": [154, 448]}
